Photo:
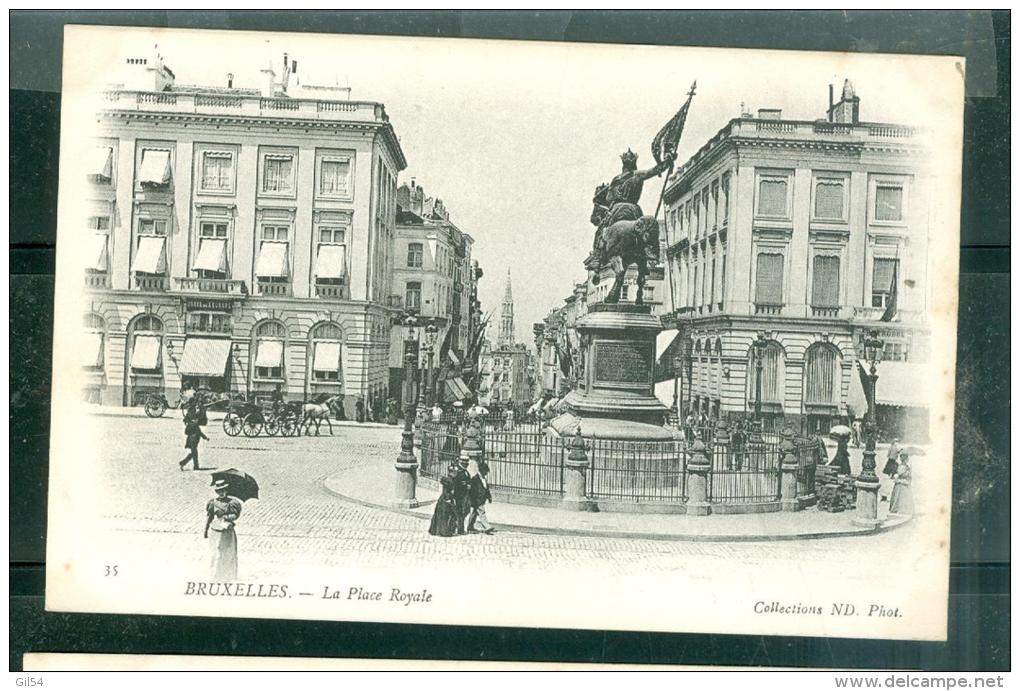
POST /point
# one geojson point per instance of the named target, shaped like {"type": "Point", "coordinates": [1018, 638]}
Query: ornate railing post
{"type": "Point", "coordinates": [575, 480]}
{"type": "Point", "coordinates": [788, 468]}
{"type": "Point", "coordinates": [472, 447]}
{"type": "Point", "coordinates": [806, 450]}
{"type": "Point", "coordinates": [698, 469]}
{"type": "Point", "coordinates": [721, 444]}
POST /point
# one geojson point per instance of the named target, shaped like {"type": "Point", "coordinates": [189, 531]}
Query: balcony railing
{"type": "Point", "coordinates": [97, 279]}
{"type": "Point", "coordinates": [824, 311]}
{"type": "Point", "coordinates": [246, 104]}
{"type": "Point", "coordinates": [768, 308]}
{"type": "Point", "coordinates": [152, 283]}
{"type": "Point", "coordinates": [329, 290]}
{"type": "Point", "coordinates": [274, 289]}
{"type": "Point", "coordinates": [220, 286]}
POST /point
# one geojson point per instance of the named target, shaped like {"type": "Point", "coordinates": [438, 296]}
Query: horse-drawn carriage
{"type": "Point", "coordinates": [277, 418]}
{"type": "Point", "coordinates": [251, 419]}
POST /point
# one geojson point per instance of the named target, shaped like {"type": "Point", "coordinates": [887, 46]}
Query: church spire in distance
{"type": "Point", "coordinates": [506, 323]}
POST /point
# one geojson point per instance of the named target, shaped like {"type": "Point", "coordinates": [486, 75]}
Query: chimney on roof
{"type": "Point", "coordinates": [230, 80]}
{"type": "Point", "coordinates": [848, 110]}
{"type": "Point", "coordinates": [770, 114]}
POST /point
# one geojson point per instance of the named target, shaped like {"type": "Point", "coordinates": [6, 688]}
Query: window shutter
{"type": "Point", "coordinates": [881, 278]}
{"type": "Point", "coordinates": [772, 197]}
{"type": "Point", "coordinates": [829, 199]}
{"type": "Point", "coordinates": [825, 283]}
{"type": "Point", "coordinates": [769, 279]}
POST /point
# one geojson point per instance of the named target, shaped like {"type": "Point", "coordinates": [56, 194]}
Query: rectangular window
{"type": "Point", "coordinates": [209, 322]}
{"type": "Point", "coordinates": [152, 226]}
{"type": "Point", "coordinates": [209, 229]}
{"type": "Point", "coordinates": [99, 223]}
{"type": "Point", "coordinates": [724, 199]}
{"type": "Point", "coordinates": [769, 279]}
{"type": "Point", "coordinates": [825, 282]}
{"type": "Point", "coordinates": [882, 277]}
{"type": "Point", "coordinates": [275, 233]}
{"type": "Point", "coordinates": [154, 169]}
{"type": "Point", "coordinates": [217, 171]}
{"type": "Point", "coordinates": [334, 177]}
{"type": "Point", "coordinates": [772, 197]}
{"type": "Point", "coordinates": [332, 235]}
{"type": "Point", "coordinates": [889, 203]}
{"type": "Point", "coordinates": [101, 165]}
{"type": "Point", "coordinates": [829, 199]}
{"type": "Point", "coordinates": [415, 254]}
{"type": "Point", "coordinates": [278, 173]}
{"type": "Point", "coordinates": [412, 295]}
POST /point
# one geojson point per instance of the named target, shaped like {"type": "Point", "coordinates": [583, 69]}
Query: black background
{"type": "Point", "coordinates": [979, 577]}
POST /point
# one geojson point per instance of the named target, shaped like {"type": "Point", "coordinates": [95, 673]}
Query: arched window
{"type": "Point", "coordinates": [94, 346]}
{"type": "Point", "coordinates": [821, 378]}
{"type": "Point", "coordinates": [773, 374]}
{"type": "Point", "coordinates": [269, 345]}
{"type": "Point", "coordinates": [145, 339]}
{"type": "Point", "coordinates": [327, 339]}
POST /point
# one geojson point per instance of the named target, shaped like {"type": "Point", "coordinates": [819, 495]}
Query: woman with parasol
{"type": "Point", "coordinates": [902, 499]}
{"type": "Point", "coordinates": [232, 487]}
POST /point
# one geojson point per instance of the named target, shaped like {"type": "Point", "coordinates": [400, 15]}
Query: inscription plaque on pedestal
{"type": "Point", "coordinates": [623, 363]}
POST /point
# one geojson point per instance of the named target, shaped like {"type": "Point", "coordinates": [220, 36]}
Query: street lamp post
{"type": "Point", "coordinates": [760, 344]}
{"type": "Point", "coordinates": [431, 332]}
{"type": "Point", "coordinates": [867, 482]}
{"type": "Point", "coordinates": [407, 464]}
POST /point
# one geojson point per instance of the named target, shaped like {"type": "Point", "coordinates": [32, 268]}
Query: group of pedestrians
{"type": "Point", "coordinates": [461, 505]}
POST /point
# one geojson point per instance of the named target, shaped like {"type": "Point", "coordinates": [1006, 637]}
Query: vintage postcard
{"type": "Point", "coordinates": [504, 333]}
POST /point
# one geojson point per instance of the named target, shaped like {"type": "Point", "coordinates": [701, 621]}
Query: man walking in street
{"type": "Point", "coordinates": [192, 435]}
{"type": "Point", "coordinates": [461, 493]}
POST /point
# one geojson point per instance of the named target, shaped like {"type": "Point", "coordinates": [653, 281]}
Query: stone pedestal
{"type": "Point", "coordinates": [615, 397]}
{"type": "Point", "coordinates": [788, 468]}
{"type": "Point", "coordinates": [867, 504]}
{"type": "Point", "coordinates": [698, 468]}
{"type": "Point", "coordinates": [406, 486]}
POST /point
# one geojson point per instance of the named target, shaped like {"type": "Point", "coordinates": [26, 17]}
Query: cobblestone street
{"type": "Point", "coordinates": [153, 507]}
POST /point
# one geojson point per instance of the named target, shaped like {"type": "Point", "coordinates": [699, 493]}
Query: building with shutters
{"type": "Point", "coordinates": [805, 231]}
{"type": "Point", "coordinates": [434, 279]}
{"type": "Point", "coordinates": [241, 238]}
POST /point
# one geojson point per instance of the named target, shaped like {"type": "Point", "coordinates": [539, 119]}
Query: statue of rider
{"type": "Point", "coordinates": [618, 201]}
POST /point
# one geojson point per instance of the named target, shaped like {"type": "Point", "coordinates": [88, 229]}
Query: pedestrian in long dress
{"type": "Point", "coordinates": [222, 513]}
{"type": "Point", "coordinates": [479, 495]}
{"type": "Point", "coordinates": [891, 465]}
{"type": "Point", "coordinates": [193, 434]}
{"type": "Point", "coordinates": [445, 518]}
{"type": "Point", "coordinates": [359, 410]}
{"type": "Point", "coordinates": [902, 501]}
{"type": "Point", "coordinates": [461, 492]}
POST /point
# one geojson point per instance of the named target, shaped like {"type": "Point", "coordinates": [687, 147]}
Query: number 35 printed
{"type": "Point", "coordinates": [111, 571]}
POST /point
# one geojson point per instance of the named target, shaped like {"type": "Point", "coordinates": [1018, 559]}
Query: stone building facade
{"type": "Point", "coordinates": [507, 371]}
{"type": "Point", "coordinates": [810, 232]}
{"type": "Point", "coordinates": [241, 239]}
{"type": "Point", "coordinates": [435, 279]}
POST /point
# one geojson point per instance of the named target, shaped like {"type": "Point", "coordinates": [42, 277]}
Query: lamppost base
{"type": "Point", "coordinates": [406, 485]}
{"type": "Point", "coordinates": [867, 505]}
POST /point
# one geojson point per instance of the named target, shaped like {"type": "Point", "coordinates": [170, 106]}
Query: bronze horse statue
{"type": "Point", "coordinates": [626, 243]}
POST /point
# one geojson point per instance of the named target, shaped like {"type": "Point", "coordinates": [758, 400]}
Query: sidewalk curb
{"type": "Point", "coordinates": [625, 535]}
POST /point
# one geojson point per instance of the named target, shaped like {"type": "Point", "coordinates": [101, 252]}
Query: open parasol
{"type": "Point", "coordinates": [840, 431]}
{"type": "Point", "coordinates": [913, 451]}
{"type": "Point", "coordinates": [240, 484]}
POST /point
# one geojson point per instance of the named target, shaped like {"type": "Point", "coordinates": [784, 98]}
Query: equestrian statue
{"type": "Point", "coordinates": [624, 235]}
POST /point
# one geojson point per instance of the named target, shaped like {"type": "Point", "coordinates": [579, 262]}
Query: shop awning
{"type": "Point", "coordinates": [902, 384]}
{"type": "Point", "coordinates": [102, 162]}
{"type": "Point", "coordinates": [151, 257]}
{"type": "Point", "coordinates": [667, 346]}
{"type": "Point", "coordinates": [664, 391]}
{"type": "Point", "coordinates": [92, 349]}
{"type": "Point", "coordinates": [327, 357]}
{"type": "Point", "coordinates": [212, 255]}
{"type": "Point", "coordinates": [145, 352]}
{"type": "Point", "coordinates": [272, 261]}
{"type": "Point", "coordinates": [457, 388]}
{"type": "Point", "coordinates": [205, 357]}
{"type": "Point", "coordinates": [155, 168]}
{"type": "Point", "coordinates": [452, 357]}
{"type": "Point", "coordinates": [97, 256]}
{"type": "Point", "coordinates": [269, 354]}
{"type": "Point", "coordinates": [551, 403]}
{"type": "Point", "coordinates": [331, 261]}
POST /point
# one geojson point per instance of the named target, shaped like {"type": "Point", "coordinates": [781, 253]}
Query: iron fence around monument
{"type": "Point", "coordinates": [637, 471]}
{"type": "Point", "coordinates": [528, 462]}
